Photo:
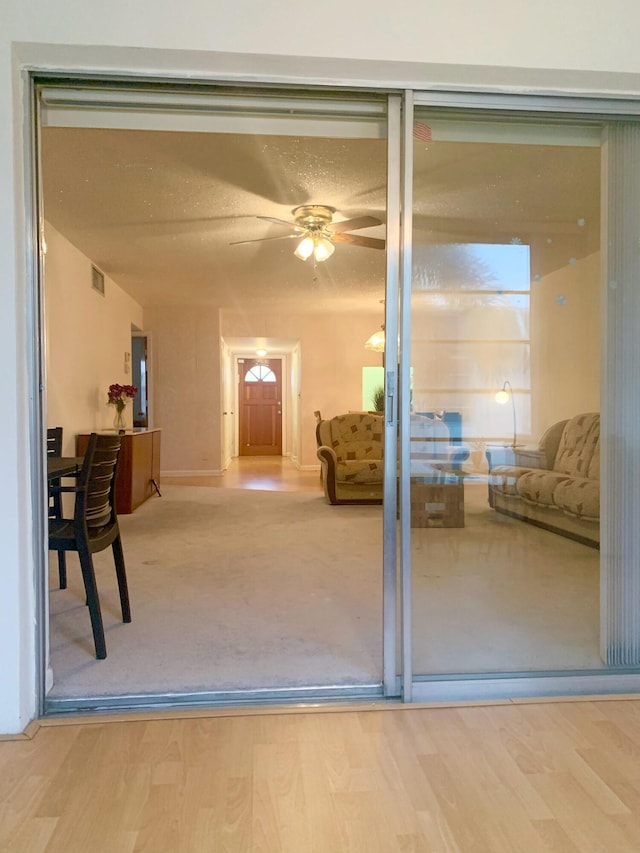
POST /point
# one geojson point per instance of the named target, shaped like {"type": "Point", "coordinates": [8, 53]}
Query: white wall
{"type": "Point", "coordinates": [565, 343]}
{"type": "Point", "coordinates": [505, 40]}
{"type": "Point", "coordinates": [87, 335]}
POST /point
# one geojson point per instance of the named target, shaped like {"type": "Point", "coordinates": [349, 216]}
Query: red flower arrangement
{"type": "Point", "coordinates": [118, 395]}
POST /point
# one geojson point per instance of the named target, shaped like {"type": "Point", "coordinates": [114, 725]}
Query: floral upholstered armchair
{"type": "Point", "coordinates": [350, 448]}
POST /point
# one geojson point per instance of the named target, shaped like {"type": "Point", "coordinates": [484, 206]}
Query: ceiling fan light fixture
{"type": "Point", "coordinates": [324, 248]}
{"type": "Point", "coordinates": [304, 248]}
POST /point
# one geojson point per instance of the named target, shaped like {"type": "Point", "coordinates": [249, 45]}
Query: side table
{"type": "Point", "coordinates": [438, 501]}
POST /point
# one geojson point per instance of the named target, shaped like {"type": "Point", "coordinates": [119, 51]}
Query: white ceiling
{"type": "Point", "coordinates": [157, 210]}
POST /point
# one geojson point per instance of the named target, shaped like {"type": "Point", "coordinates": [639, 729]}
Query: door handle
{"type": "Point", "coordinates": [391, 392]}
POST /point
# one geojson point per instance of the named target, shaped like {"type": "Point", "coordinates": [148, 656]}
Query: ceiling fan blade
{"type": "Point", "coordinates": [357, 240]}
{"type": "Point", "coordinates": [279, 221]}
{"type": "Point", "coordinates": [264, 239]}
{"type": "Point", "coordinates": [354, 224]}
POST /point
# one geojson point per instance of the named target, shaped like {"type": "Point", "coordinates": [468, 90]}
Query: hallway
{"type": "Point", "coordinates": [270, 473]}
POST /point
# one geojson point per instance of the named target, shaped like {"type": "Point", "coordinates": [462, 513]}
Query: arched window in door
{"type": "Point", "coordinates": [260, 373]}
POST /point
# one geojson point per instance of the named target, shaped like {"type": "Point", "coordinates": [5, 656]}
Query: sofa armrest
{"type": "Point", "coordinates": [550, 442]}
{"type": "Point", "coordinates": [534, 457]}
{"type": "Point", "coordinates": [329, 461]}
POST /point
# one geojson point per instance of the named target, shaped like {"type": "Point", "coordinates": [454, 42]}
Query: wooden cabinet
{"type": "Point", "coordinates": [138, 469]}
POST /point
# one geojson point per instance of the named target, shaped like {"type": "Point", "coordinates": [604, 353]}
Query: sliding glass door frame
{"type": "Point", "coordinates": [398, 677]}
{"type": "Point", "coordinates": [391, 587]}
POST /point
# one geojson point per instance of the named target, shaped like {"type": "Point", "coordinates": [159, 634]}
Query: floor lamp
{"type": "Point", "coordinates": [503, 396]}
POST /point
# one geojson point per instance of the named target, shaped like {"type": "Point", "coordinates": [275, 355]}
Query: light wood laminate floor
{"type": "Point", "coordinates": [560, 776]}
{"type": "Point", "coordinates": [269, 473]}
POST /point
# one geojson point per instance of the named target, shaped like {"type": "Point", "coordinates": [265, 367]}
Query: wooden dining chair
{"type": "Point", "coordinates": [94, 527]}
{"type": "Point", "coordinates": [54, 448]}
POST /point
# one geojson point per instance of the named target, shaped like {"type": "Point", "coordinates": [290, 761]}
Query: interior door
{"type": "Point", "coordinates": [260, 395]}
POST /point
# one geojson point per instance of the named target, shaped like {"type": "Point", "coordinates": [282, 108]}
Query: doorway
{"type": "Point", "coordinates": [140, 377]}
{"type": "Point", "coordinates": [260, 407]}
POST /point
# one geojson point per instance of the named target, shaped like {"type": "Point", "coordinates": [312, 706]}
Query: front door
{"type": "Point", "coordinates": [260, 395]}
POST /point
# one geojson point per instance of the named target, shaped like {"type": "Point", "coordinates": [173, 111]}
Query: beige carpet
{"type": "Point", "coordinates": [230, 589]}
{"type": "Point", "coordinates": [241, 589]}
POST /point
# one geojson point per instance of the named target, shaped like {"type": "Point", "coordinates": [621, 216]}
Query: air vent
{"type": "Point", "coordinates": [97, 280]}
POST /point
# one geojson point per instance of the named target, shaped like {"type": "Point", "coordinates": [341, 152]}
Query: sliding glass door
{"type": "Point", "coordinates": [466, 556]}
{"type": "Point", "coordinates": [512, 309]}
{"type": "Point", "coordinates": [248, 232]}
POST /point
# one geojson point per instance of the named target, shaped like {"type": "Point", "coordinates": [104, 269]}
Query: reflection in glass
{"type": "Point", "coordinates": [505, 288]}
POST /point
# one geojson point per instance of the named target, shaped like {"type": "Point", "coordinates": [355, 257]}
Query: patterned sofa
{"type": "Point", "coordinates": [351, 452]}
{"type": "Point", "coordinates": [557, 485]}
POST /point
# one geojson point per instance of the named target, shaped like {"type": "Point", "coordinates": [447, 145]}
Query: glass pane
{"type": "Point", "coordinates": [260, 373]}
{"type": "Point", "coordinates": [202, 229]}
{"type": "Point", "coordinates": [505, 399]}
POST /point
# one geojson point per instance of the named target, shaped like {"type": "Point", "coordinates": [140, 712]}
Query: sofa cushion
{"type": "Point", "coordinates": [503, 478]}
{"type": "Point", "coordinates": [358, 471]}
{"type": "Point", "coordinates": [538, 487]}
{"type": "Point", "coordinates": [350, 451]}
{"type": "Point", "coordinates": [579, 439]}
{"type": "Point", "coordinates": [579, 496]}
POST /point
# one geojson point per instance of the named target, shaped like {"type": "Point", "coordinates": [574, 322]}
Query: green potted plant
{"type": "Point", "coordinates": [378, 399]}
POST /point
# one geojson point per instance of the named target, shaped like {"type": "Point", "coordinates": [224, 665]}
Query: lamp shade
{"type": "Point", "coordinates": [318, 245]}
{"type": "Point", "coordinates": [324, 248]}
{"type": "Point", "coordinates": [304, 248]}
{"type": "Point", "coordinates": [376, 342]}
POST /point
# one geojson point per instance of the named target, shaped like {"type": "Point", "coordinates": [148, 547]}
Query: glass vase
{"type": "Point", "coordinates": [118, 422]}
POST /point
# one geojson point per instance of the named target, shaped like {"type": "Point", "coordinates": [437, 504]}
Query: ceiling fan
{"type": "Point", "coordinates": [317, 233]}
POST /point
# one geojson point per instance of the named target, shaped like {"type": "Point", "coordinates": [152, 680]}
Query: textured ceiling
{"type": "Point", "coordinates": [157, 211]}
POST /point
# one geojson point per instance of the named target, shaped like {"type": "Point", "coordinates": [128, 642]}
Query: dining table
{"type": "Point", "coordinates": [63, 466]}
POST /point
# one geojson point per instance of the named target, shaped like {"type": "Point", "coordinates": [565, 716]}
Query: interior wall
{"type": "Point", "coordinates": [544, 35]}
{"type": "Point", "coordinates": [187, 395]}
{"type": "Point", "coordinates": [228, 419]}
{"type": "Point", "coordinates": [295, 387]}
{"type": "Point", "coordinates": [478, 46]}
{"type": "Point", "coordinates": [565, 343]}
{"type": "Point", "coordinates": [87, 335]}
